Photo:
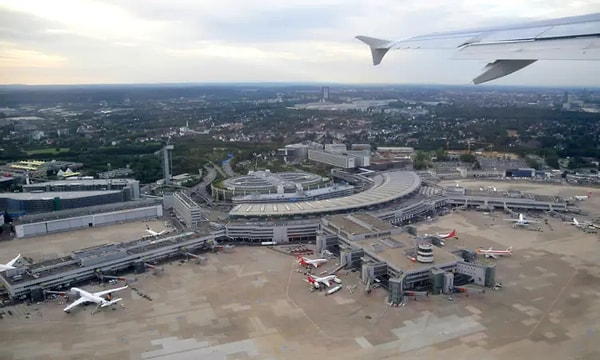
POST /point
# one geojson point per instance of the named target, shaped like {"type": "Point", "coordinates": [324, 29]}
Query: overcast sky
{"type": "Point", "coordinates": [154, 41]}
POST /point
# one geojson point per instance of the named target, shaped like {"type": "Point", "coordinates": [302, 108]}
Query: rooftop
{"type": "Point", "coordinates": [388, 186]}
{"type": "Point", "coordinates": [55, 194]}
{"type": "Point", "coordinates": [395, 249]}
{"type": "Point", "coordinates": [78, 182]}
{"type": "Point", "coordinates": [401, 256]}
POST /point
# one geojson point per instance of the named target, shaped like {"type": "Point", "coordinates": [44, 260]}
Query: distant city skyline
{"type": "Point", "coordinates": [152, 41]}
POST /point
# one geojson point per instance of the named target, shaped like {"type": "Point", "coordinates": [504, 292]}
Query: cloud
{"type": "Point", "coordinates": [94, 41]}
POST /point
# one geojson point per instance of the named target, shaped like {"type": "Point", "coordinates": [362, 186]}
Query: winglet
{"type": "Point", "coordinates": [379, 47]}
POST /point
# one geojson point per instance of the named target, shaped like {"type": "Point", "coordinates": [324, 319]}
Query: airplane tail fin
{"type": "Point", "coordinates": [13, 261]}
{"type": "Point", "coordinates": [379, 47]}
{"type": "Point", "coordinates": [509, 248]}
{"type": "Point", "coordinates": [589, 195]}
{"type": "Point", "coordinates": [452, 234]}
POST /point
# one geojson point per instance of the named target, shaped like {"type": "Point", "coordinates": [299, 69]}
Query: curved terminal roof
{"type": "Point", "coordinates": [388, 186]}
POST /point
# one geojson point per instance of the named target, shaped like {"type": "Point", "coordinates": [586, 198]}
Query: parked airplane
{"type": "Point", "coordinates": [450, 235]}
{"type": "Point", "coordinates": [494, 253]}
{"type": "Point", "coordinates": [509, 48]}
{"type": "Point", "coordinates": [154, 233]}
{"type": "Point", "coordinates": [521, 221]}
{"type": "Point", "coordinates": [583, 197]}
{"type": "Point", "coordinates": [9, 265]}
{"type": "Point", "coordinates": [574, 222]}
{"type": "Point", "coordinates": [306, 261]}
{"type": "Point", "coordinates": [97, 297]}
{"type": "Point", "coordinates": [325, 280]}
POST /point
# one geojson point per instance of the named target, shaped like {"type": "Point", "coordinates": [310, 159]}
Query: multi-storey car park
{"type": "Point", "coordinates": [259, 183]}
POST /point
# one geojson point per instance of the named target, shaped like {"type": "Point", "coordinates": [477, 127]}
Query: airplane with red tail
{"type": "Point", "coordinates": [304, 261]}
{"type": "Point", "coordinates": [450, 235]}
{"type": "Point", "coordinates": [325, 280]}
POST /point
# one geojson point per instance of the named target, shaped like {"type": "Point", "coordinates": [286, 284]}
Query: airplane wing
{"type": "Point", "coordinates": [102, 293]}
{"type": "Point", "coordinates": [493, 256]}
{"type": "Point", "coordinates": [13, 261]}
{"type": "Point", "coordinates": [508, 48]}
{"type": "Point", "coordinates": [79, 301]}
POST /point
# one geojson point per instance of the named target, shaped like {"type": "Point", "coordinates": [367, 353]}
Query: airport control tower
{"type": "Point", "coordinates": [167, 153]}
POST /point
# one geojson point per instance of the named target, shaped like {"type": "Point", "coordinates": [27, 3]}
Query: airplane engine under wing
{"type": "Point", "coordinates": [507, 48]}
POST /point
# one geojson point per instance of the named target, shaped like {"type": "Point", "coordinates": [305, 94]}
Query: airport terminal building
{"type": "Point", "coordinates": [387, 254]}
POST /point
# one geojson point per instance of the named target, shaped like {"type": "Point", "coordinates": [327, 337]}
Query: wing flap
{"type": "Point", "coordinates": [500, 68]}
{"type": "Point", "coordinates": [555, 49]}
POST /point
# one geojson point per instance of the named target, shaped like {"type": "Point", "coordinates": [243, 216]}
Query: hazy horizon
{"type": "Point", "coordinates": [91, 42]}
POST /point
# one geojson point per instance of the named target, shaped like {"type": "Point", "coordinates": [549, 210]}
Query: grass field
{"type": "Point", "coordinates": [50, 151]}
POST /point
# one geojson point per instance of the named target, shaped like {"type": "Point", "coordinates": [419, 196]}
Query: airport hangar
{"type": "Point", "coordinates": [90, 216]}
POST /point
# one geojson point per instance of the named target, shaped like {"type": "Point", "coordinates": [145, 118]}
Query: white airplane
{"type": "Point", "coordinates": [583, 197]}
{"type": "Point", "coordinates": [521, 221]}
{"type": "Point", "coordinates": [574, 222]}
{"type": "Point", "coordinates": [325, 280]}
{"type": "Point", "coordinates": [508, 48]}
{"type": "Point", "coordinates": [494, 253]}
{"type": "Point", "coordinates": [306, 261]}
{"type": "Point", "coordinates": [582, 225]}
{"type": "Point", "coordinates": [9, 265]}
{"type": "Point", "coordinates": [154, 233]}
{"type": "Point", "coordinates": [97, 297]}
{"type": "Point", "coordinates": [450, 235]}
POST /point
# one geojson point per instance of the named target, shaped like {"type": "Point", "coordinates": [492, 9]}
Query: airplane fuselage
{"type": "Point", "coordinates": [89, 296]}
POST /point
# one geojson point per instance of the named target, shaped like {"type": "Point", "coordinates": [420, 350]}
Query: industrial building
{"type": "Point", "coordinates": [386, 254]}
{"type": "Point", "coordinates": [186, 210]}
{"type": "Point", "coordinates": [73, 219]}
{"type": "Point", "coordinates": [108, 259]}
